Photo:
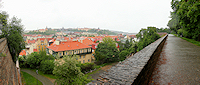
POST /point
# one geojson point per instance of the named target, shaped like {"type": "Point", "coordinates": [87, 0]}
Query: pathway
{"type": "Point", "coordinates": [43, 79]}
{"type": "Point", "coordinates": [178, 63]}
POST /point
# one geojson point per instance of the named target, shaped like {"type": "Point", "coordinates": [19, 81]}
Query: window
{"type": "Point", "coordinates": [80, 51]}
{"type": "Point", "coordinates": [80, 56]}
{"type": "Point", "coordinates": [74, 52]}
{"type": "Point", "coordinates": [65, 53]}
{"type": "Point", "coordinates": [88, 60]}
{"type": "Point", "coordinates": [83, 61]}
{"type": "Point", "coordinates": [60, 54]}
{"type": "Point", "coordinates": [83, 56]}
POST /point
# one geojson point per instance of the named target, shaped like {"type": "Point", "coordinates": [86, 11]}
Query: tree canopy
{"type": "Point", "coordinates": [106, 51]}
{"type": "Point", "coordinates": [146, 37]}
{"type": "Point", "coordinates": [12, 30]}
{"type": "Point", "coordinates": [68, 73]}
{"type": "Point", "coordinates": [185, 18]}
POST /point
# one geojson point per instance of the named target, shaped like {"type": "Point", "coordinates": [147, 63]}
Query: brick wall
{"type": "Point", "coordinates": [9, 75]}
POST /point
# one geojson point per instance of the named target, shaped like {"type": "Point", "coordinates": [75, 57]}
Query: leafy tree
{"type": "Point", "coordinates": [86, 67]}
{"type": "Point", "coordinates": [12, 30]}
{"type": "Point", "coordinates": [35, 59]}
{"type": "Point", "coordinates": [68, 73]}
{"type": "Point", "coordinates": [121, 46]}
{"type": "Point", "coordinates": [123, 54]}
{"type": "Point", "coordinates": [146, 36]}
{"type": "Point", "coordinates": [47, 66]}
{"type": "Point", "coordinates": [186, 16]}
{"type": "Point", "coordinates": [22, 62]}
{"type": "Point", "coordinates": [106, 51]}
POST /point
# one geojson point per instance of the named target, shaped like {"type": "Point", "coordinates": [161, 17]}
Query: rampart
{"type": "Point", "coordinates": [135, 70]}
{"type": "Point", "coordinates": [9, 73]}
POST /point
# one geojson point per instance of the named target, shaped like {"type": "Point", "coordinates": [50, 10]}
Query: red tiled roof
{"type": "Point", "coordinates": [132, 36]}
{"type": "Point", "coordinates": [44, 39]}
{"type": "Point", "coordinates": [70, 45]}
{"type": "Point", "coordinates": [23, 52]}
{"type": "Point", "coordinates": [31, 41]}
{"type": "Point", "coordinates": [87, 42]}
{"type": "Point", "coordinates": [94, 45]}
{"type": "Point", "coordinates": [34, 50]}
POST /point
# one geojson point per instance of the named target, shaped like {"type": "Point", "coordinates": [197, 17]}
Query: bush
{"type": "Point", "coordinates": [86, 67]}
{"type": "Point", "coordinates": [123, 54]}
{"type": "Point", "coordinates": [47, 66]}
{"type": "Point", "coordinates": [34, 59]}
{"type": "Point", "coordinates": [22, 62]}
{"type": "Point", "coordinates": [182, 32]}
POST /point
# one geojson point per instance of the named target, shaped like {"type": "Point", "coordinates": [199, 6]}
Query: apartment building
{"type": "Point", "coordinates": [71, 48]}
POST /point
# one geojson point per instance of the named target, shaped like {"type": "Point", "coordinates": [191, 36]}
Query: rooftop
{"type": "Point", "coordinates": [68, 45]}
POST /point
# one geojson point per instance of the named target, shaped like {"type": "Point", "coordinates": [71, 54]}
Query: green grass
{"type": "Point", "coordinates": [190, 40]}
{"type": "Point", "coordinates": [27, 79]}
{"type": "Point", "coordinates": [40, 72]}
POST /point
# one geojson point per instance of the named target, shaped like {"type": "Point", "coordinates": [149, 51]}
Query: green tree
{"type": "Point", "coordinates": [123, 54]}
{"type": "Point", "coordinates": [12, 31]}
{"type": "Point", "coordinates": [68, 73]}
{"type": "Point", "coordinates": [186, 16]}
{"type": "Point", "coordinates": [47, 66]}
{"type": "Point", "coordinates": [34, 59]}
{"type": "Point", "coordinates": [106, 51]}
{"type": "Point", "coordinates": [146, 36]}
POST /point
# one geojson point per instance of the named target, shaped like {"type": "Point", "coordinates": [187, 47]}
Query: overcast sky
{"type": "Point", "coordinates": [119, 15]}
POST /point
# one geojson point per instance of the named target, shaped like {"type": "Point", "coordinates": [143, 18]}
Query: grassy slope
{"type": "Point", "coordinates": [27, 79]}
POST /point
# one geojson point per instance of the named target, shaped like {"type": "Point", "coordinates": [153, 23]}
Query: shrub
{"type": "Point", "coordinates": [47, 66]}
{"type": "Point", "coordinates": [86, 67]}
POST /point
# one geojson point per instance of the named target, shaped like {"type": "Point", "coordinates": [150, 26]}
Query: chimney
{"type": "Point", "coordinates": [57, 42]}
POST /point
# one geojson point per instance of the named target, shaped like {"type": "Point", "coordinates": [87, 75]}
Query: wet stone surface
{"type": "Point", "coordinates": [124, 73]}
{"type": "Point", "coordinates": [178, 63]}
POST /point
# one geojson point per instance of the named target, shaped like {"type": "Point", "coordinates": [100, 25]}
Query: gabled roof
{"type": "Point", "coordinates": [88, 42]}
{"type": "Point", "coordinates": [31, 41]}
{"type": "Point", "coordinates": [44, 39]}
{"type": "Point", "coordinates": [132, 36]}
{"type": "Point", "coordinates": [69, 45]}
{"type": "Point", "coordinates": [23, 52]}
{"type": "Point", "coordinates": [34, 50]}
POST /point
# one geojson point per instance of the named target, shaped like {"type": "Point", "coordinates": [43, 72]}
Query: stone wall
{"type": "Point", "coordinates": [9, 75]}
{"type": "Point", "coordinates": [135, 70]}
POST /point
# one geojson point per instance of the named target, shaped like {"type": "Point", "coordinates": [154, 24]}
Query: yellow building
{"type": "Point", "coordinates": [71, 48]}
{"type": "Point", "coordinates": [42, 43]}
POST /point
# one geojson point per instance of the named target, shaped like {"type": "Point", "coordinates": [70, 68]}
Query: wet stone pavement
{"type": "Point", "coordinates": [178, 63]}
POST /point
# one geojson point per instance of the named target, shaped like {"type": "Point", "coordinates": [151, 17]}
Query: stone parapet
{"type": "Point", "coordinates": [135, 70]}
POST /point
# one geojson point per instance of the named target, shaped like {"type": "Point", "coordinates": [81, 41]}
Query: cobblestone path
{"type": "Point", "coordinates": [178, 63]}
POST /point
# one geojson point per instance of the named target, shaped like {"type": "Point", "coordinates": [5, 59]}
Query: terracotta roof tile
{"type": "Point", "coordinates": [23, 52]}
{"type": "Point", "coordinates": [34, 50]}
{"type": "Point", "coordinates": [44, 39]}
{"type": "Point", "coordinates": [88, 42]}
{"type": "Point", "coordinates": [70, 45]}
{"type": "Point", "coordinates": [31, 41]}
